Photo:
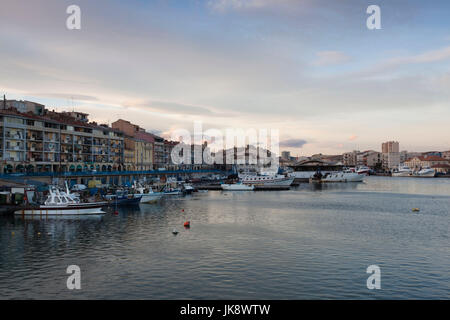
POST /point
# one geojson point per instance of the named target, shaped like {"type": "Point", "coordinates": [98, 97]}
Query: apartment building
{"type": "Point", "coordinates": [56, 142]}
{"type": "Point", "coordinates": [350, 158]}
{"type": "Point", "coordinates": [140, 146]}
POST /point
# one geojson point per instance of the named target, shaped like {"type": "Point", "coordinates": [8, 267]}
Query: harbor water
{"type": "Point", "coordinates": [312, 242]}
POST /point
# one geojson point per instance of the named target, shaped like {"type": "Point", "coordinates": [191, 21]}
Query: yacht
{"type": "Point", "coordinates": [363, 170]}
{"type": "Point", "coordinates": [61, 203]}
{"type": "Point", "coordinates": [402, 171]}
{"type": "Point", "coordinates": [425, 172]}
{"type": "Point", "coordinates": [237, 187]}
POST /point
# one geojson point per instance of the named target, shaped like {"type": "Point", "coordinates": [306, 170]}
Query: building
{"type": "Point", "coordinates": [426, 161]}
{"type": "Point", "coordinates": [143, 151]}
{"type": "Point", "coordinates": [57, 142]}
{"type": "Point", "coordinates": [390, 146]}
{"type": "Point", "coordinates": [350, 158]}
{"type": "Point", "coordinates": [140, 146]}
{"type": "Point", "coordinates": [286, 155]}
{"type": "Point", "coordinates": [446, 155]}
{"type": "Point", "coordinates": [23, 106]}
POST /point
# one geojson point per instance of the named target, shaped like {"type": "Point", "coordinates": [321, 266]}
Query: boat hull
{"type": "Point", "coordinates": [235, 187]}
{"type": "Point", "coordinates": [69, 210]}
{"type": "Point", "coordinates": [150, 197]}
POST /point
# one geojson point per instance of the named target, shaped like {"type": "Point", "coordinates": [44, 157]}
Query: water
{"type": "Point", "coordinates": [307, 243]}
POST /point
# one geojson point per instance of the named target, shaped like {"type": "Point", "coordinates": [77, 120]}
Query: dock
{"type": "Point", "coordinates": [217, 187]}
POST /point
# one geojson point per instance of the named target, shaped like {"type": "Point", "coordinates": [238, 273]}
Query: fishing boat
{"type": "Point", "coordinates": [61, 203]}
{"type": "Point", "coordinates": [122, 197]}
{"type": "Point", "coordinates": [147, 195]}
{"type": "Point", "coordinates": [237, 187]}
{"type": "Point", "coordinates": [267, 180]}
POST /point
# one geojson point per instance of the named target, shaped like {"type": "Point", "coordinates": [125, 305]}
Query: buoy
{"type": "Point", "coordinates": [174, 231]}
{"type": "Point", "coordinates": [182, 210]}
{"type": "Point", "coordinates": [415, 209]}
{"type": "Point", "coordinates": [12, 233]}
{"type": "Point", "coordinates": [187, 224]}
{"type": "Point", "coordinates": [116, 213]}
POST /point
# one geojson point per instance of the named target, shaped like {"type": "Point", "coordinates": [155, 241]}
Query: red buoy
{"type": "Point", "coordinates": [187, 224]}
{"type": "Point", "coordinates": [116, 213]}
{"type": "Point", "coordinates": [182, 210]}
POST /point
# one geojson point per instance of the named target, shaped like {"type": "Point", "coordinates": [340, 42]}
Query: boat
{"type": "Point", "coordinates": [402, 171]}
{"type": "Point", "coordinates": [237, 187]}
{"type": "Point", "coordinates": [61, 203]}
{"type": "Point", "coordinates": [425, 172]}
{"type": "Point", "coordinates": [188, 189]}
{"type": "Point", "coordinates": [363, 170]}
{"type": "Point", "coordinates": [147, 195]}
{"type": "Point", "coordinates": [267, 180]}
{"type": "Point", "coordinates": [121, 198]}
{"type": "Point", "coordinates": [343, 176]}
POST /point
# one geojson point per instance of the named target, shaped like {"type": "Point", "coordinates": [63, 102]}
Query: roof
{"type": "Point", "coordinates": [147, 137]}
{"type": "Point", "coordinates": [431, 158]}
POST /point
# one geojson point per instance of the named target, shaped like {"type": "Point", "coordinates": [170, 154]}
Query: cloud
{"type": "Point", "coordinates": [224, 5]}
{"type": "Point", "coordinates": [326, 58]}
{"type": "Point", "coordinates": [79, 97]}
{"type": "Point", "coordinates": [170, 107]}
{"type": "Point", "coordinates": [293, 143]}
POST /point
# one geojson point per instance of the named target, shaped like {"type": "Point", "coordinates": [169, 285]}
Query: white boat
{"type": "Point", "coordinates": [343, 176]}
{"type": "Point", "coordinates": [426, 172]}
{"type": "Point", "coordinates": [267, 180]}
{"type": "Point", "coordinates": [146, 194]}
{"type": "Point", "coordinates": [61, 203]}
{"type": "Point", "coordinates": [188, 188]}
{"type": "Point", "coordinates": [402, 171]}
{"type": "Point", "coordinates": [237, 187]}
{"type": "Point", "coordinates": [363, 170]}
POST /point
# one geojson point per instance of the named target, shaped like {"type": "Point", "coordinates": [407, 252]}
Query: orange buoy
{"type": "Point", "coordinates": [187, 224]}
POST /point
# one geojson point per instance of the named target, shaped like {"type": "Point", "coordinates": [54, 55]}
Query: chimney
{"type": "Point", "coordinates": [4, 102]}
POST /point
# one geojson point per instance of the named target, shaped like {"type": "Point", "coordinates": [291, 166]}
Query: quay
{"type": "Point", "coordinates": [106, 177]}
{"type": "Point", "coordinates": [217, 187]}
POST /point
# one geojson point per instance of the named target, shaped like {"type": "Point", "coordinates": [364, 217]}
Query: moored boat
{"type": "Point", "coordinates": [60, 203]}
{"type": "Point", "coordinates": [237, 187]}
{"type": "Point", "coordinates": [402, 171]}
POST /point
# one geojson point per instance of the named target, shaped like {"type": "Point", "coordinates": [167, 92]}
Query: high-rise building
{"type": "Point", "coordinates": [390, 146]}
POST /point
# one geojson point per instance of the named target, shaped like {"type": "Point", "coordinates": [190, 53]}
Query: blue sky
{"type": "Point", "coordinates": [309, 68]}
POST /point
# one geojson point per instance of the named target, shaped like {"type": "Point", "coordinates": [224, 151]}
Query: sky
{"type": "Point", "coordinates": [309, 68]}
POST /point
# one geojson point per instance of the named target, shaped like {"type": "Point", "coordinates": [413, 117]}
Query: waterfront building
{"type": "Point", "coordinates": [446, 155]}
{"type": "Point", "coordinates": [350, 158]}
{"type": "Point", "coordinates": [140, 145]}
{"type": "Point", "coordinates": [426, 161]}
{"type": "Point", "coordinates": [57, 142]}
